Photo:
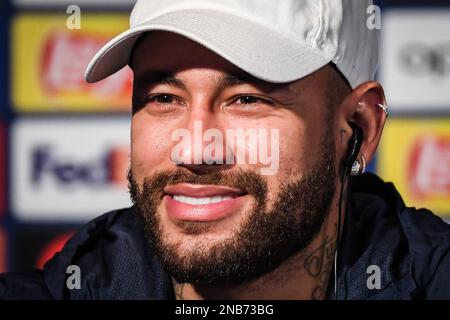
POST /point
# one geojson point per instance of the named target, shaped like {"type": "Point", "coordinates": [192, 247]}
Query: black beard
{"type": "Point", "coordinates": [265, 239]}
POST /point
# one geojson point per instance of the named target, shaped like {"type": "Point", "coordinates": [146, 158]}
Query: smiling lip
{"type": "Point", "coordinates": [189, 202]}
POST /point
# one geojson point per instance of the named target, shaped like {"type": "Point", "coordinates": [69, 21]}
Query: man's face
{"type": "Point", "coordinates": [230, 221]}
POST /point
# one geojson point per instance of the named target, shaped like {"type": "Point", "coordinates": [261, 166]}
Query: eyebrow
{"type": "Point", "coordinates": [231, 80]}
{"type": "Point", "coordinates": [153, 78]}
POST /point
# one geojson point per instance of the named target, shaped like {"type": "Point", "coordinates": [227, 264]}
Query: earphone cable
{"type": "Point", "coordinates": [338, 233]}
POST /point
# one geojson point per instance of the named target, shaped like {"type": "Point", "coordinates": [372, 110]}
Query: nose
{"type": "Point", "coordinates": [200, 145]}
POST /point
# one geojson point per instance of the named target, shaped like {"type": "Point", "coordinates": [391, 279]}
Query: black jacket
{"type": "Point", "coordinates": [410, 246]}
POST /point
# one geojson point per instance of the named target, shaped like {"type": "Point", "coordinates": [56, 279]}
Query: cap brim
{"type": "Point", "coordinates": [253, 47]}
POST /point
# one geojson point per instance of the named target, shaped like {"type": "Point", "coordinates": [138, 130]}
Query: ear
{"type": "Point", "coordinates": [362, 107]}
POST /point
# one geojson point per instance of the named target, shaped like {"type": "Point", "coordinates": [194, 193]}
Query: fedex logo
{"type": "Point", "coordinates": [69, 170]}
{"type": "Point", "coordinates": [108, 168]}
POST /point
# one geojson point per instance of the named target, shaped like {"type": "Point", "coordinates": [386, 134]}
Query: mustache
{"type": "Point", "coordinates": [248, 181]}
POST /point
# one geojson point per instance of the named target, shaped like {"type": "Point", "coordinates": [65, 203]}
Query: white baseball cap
{"type": "Point", "coordinates": [273, 40]}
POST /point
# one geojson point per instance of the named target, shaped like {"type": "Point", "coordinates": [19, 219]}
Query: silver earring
{"type": "Point", "coordinates": [356, 167]}
{"type": "Point", "coordinates": [363, 160]}
{"type": "Point", "coordinates": [384, 108]}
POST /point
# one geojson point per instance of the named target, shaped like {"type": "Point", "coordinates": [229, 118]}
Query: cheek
{"type": "Point", "coordinates": [150, 147]}
{"type": "Point", "coordinates": [299, 147]}
{"type": "Point", "coordinates": [294, 151]}
{"type": "Point", "coordinates": [303, 146]}
{"type": "Point", "coordinates": [288, 143]}
{"type": "Point", "coordinates": [292, 160]}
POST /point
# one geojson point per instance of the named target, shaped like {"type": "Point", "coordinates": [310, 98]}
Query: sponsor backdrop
{"type": "Point", "coordinates": [415, 154]}
{"type": "Point", "coordinates": [2, 251]}
{"type": "Point", "coordinates": [64, 144]}
{"type": "Point", "coordinates": [2, 170]}
{"type": "Point", "coordinates": [79, 164]}
{"type": "Point", "coordinates": [415, 69]}
{"type": "Point", "coordinates": [3, 60]}
{"type": "Point", "coordinates": [49, 61]}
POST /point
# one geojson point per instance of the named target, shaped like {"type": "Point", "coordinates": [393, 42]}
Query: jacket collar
{"type": "Point", "coordinates": [372, 236]}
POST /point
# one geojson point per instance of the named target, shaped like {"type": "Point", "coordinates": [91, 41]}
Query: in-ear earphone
{"type": "Point", "coordinates": [354, 146]}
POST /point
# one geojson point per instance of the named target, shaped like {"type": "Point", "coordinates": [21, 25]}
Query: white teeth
{"type": "Point", "coordinates": [203, 200]}
{"type": "Point", "coordinates": [200, 201]}
{"type": "Point", "coordinates": [216, 199]}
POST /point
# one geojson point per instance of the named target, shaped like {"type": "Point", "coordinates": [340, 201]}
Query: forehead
{"type": "Point", "coordinates": [162, 50]}
{"type": "Point", "coordinates": [159, 53]}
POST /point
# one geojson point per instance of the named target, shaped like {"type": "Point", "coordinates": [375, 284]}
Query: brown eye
{"type": "Point", "coordinates": [164, 98]}
{"type": "Point", "coordinates": [164, 103]}
{"type": "Point", "coordinates": [251, 101]}
{"type": "Point", "coordinates": [248, 100]}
